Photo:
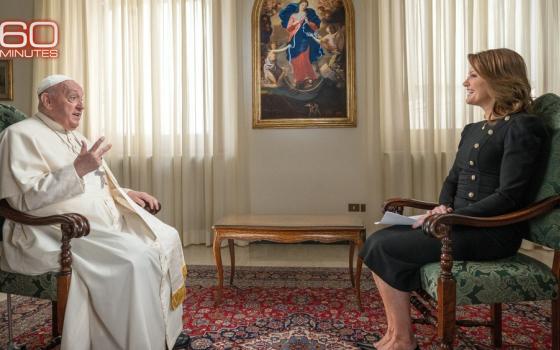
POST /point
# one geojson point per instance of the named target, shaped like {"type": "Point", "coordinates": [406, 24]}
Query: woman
{"type": "Point", "coordinates": [301, 23]}
{"type": "Point", "coordinates": [491, 175]}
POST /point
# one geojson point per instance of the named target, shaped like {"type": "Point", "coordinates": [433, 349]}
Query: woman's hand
{"type": "Point", "coordinates": [440, 209]}
{"type": "Point", "coordinates": [144, 200]}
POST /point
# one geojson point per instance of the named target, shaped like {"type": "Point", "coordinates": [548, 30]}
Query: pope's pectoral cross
{"type": "Point", "coordinates": [102, 176]}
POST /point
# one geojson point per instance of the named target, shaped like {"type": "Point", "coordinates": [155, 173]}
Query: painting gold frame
{"type": "Point", "coordinates": [345, 115]}
{"type": "Point", "coordinates": [6, 80]}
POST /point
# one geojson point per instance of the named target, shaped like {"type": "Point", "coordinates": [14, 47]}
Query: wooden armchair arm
{"type": "Point", "coordinates": [397, 205]}
{"type": "Point", "coordinates": [72, 225]}
{"type": "Point", "coordinates": [77, 225]}
{"type": "Point", "coordinates": [433, 225]}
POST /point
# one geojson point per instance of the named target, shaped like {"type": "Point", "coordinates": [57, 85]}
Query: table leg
{"type": "Point", "coordinates": [359, 270]}
{"type": "Point", "coordinates": [351, 263]}
{"type": "Point", "coordinates": [219, 267]}
{"type": "Point", "coordinates": [358, 279]}
{"type": "Point", "coordinates": [232, 259]}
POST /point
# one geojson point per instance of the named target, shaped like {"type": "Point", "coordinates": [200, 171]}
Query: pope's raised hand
{"type": "Point", "coordinates": [89, 160]}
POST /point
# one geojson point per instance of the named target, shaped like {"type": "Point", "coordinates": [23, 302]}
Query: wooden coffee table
{"type": "Point", "coordinates": [289, 229]}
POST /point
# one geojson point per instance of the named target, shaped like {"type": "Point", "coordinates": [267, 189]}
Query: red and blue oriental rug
{"type": "Point", "coordinates": [296, 308]}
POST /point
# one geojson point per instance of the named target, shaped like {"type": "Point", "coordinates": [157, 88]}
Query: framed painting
{"type": "Point", "coordinates": [303, 64]}
{"type": "Point", "coordinates": [6, 81]}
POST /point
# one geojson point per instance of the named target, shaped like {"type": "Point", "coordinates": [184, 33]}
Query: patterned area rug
{"type": "Point", "coordinates": [296, 308]}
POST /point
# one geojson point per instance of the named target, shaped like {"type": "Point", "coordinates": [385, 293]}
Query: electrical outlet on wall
{"type": "Point", "coordinates": [363, 207]}
{"type": "Point", "coordinates": [353, 207]}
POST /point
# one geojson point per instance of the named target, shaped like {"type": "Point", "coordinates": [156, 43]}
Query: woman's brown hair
{"type": "Point", "coordinates": [506, 74]}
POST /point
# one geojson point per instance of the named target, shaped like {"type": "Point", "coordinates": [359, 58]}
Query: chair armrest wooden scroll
{"type": "Point", "coordinates": [432, 225]}
{"type": "Point", "coordinates": [75, 225]}
{"type": "Point", "coordinates": [72, 226]}
{"type": "Point", "coordinates": [396, 205]}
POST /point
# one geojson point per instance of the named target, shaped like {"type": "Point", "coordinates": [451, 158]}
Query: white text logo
{"type": "Point", "coordinates": [29, 39]}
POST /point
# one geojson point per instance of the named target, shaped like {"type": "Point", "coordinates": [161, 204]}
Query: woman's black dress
{"type": "Point", "coordinates": [491, 175]}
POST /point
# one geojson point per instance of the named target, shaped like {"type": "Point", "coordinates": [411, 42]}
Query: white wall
{"type": "Point", "coordinates": [311, 171]}
{"type": "Point", "coordinates": [307, 171]}
{"type": "Point", "coordinates": [23, 67]}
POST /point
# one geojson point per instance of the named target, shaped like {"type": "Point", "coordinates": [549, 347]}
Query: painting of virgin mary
{"type": "Point", "coordinates": [303, 63]}
{"type": "Point", "coordinates": [302, 24]}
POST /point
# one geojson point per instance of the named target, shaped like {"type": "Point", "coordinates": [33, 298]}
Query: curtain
{"type": "Point", "coordinates": [155, 83]}
{"type": "Point", "coordinates": [423, 63]}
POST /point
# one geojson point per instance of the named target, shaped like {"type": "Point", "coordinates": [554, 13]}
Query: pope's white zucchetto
{"type": "Point", "coordinates": [51, 80]}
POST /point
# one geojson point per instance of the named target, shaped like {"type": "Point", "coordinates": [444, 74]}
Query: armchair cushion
{"type": "Point", "coordinates": [8, 116]}
{"type": "Point", "coordinates": [545, 229]}
{"type": "Point", "coordinates": [40, 286]}
{"type": "Point", "coordinates": [513, 279]}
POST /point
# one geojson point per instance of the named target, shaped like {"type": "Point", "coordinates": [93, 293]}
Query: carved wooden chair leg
{"type": "Point", "coordinates": [446, 313]}
{"type": "Point", "coordinates": [446, 293]}
{"type": "Point", "coordinates": [63, 286]}
{"type": "Point", "coordinates": [496, 319]}
{"type": "Point", "coordinates": [556, 324]}
{"type": "Point", "coordinates": [65, 274]}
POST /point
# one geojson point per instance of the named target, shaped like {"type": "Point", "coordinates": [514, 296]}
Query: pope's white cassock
{"type": "Point", "coordinates": [128, 275]}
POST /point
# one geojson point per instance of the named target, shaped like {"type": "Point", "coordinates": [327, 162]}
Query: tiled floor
{"type": "Point", "coordinates": [306, 255]}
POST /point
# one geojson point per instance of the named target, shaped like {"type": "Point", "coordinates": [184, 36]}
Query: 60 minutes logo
{"type": "Point", "coordinates": [20, 39]}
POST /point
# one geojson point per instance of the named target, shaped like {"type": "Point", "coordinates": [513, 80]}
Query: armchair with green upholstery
{"type": "Point", "coordinates": [515, 279]}
{"type": "Point", "coordinates": [52, 286]}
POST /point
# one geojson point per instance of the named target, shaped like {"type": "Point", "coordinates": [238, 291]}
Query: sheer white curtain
{"type": "Point", "coordinates": [423, 49]}
{"type": "Point", "coordinates": [153, 80]}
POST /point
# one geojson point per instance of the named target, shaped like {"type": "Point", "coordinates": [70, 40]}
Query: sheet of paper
{"type": "Point", "coordinates": [391, 218]}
